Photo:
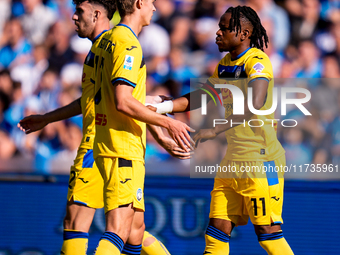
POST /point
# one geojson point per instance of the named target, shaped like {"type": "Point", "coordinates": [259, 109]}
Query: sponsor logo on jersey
{"type": "Point", "coordinates": [258, 67]}
{"type": "Point", "coordinates": [126, 180]}
{"type": "Point", "coordinates": [139, 194]}
{"type": "Point", "coordinates": [82, 179]}
{"type": "Point", "coordinates": [132, 47]}
{"type": "Point", "coordinates": [238, 72]}
{"type": "Point", "coordinates": [128, 62]}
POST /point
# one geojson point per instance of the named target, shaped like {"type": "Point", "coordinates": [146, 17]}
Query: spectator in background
{"type": "Point", "coordinates": [298, 152]}
{"type": "Point", "coordinates": [30, 73]}
{"type": "Point", "coordinates": [5, 13]}
{"type": "Point", "coordinates": [155, 42]}
{"type": "Point", "coordinates": [36, 20]}
{"type": "Point", "coordinates": [17, 48]}
{"type": "Point", "coordinates": [268, 9]}
{"type": "Point", "coordinates": [308, 24]}
{"type": "Point", "coordinates": [48, 90]}
{"type": "Point", "coordinates": [58, 43]}
{"type": "Point", "coordinates": [309, 61]}
{"type": "Point", "coordinates": [179, 70]}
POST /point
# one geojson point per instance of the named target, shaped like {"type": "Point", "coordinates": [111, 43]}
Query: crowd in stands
{"type": "Point", "coordinates": [41, 60]}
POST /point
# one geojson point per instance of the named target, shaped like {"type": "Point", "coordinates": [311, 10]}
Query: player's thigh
{"type": "Point", "coordinates": [263, 197]}
{"type": "Point", "coordinates": [226, 204]}
{"type": "Point", "coordinates": [86, 182]}
{"type": "Point", "coordinates": [123, 182]}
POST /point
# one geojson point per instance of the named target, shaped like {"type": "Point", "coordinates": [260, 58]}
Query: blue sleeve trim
{"type": "Point", "coordinates": [92, 81]}
{"type": "Point", "coordinates": [123, 79]}
{"type": "Point", "coordinates": [259, 78]}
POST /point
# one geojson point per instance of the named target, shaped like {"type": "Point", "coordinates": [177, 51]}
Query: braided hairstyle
{"type": "Point", "coordinates": [245, 14]}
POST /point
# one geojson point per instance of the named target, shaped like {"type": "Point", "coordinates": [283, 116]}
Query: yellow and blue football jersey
{"type": "Point", "coordinates": [118, 57]}
{"type": "Point", "coordinates": [257, 141]}
{"type": "Point", "coordinates": [87, 98]}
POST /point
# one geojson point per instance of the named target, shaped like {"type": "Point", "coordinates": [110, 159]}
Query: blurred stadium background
{"type": "Point", "coordinates": [41, 61]}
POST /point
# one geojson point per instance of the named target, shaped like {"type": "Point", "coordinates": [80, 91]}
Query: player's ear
{"type": "Point", "coordinates": [245, 34]}
{"type": "Point", "coordinates": [139, 4]}
{"type": "Point", "coordinates": [97, 14]}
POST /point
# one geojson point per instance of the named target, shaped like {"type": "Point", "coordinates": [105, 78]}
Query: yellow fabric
{"type": "Point", "coordinates": [122, 185]}
{"type": "Point", "coordinates": [248, 142]}
{"type": "Point", "coordinates": [85, 184]}
{"type": "Point", "coordinates": [87, 105]}
{"type": "Point", "coordinates": [215, 247]}
{"type": "Point", "coordinates": [106, 248]}
{"type": "Point", "coordinates": [155, 248]}
{"type": "Point", "coordinates": [116, 18]}
{"type": "Point", "coordinates": [277, 247]}
{"type": "Point", "coordinates": [119, 57]}
{"type": "Point", "coordinates": [234, 198]}
{"type": "Point", "coordinates": [76, 246]}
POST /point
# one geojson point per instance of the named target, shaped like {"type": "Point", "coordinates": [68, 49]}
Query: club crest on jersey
{"type": "Point", "coordinates": [238, 72]}
{"type": "Point", "coordinates": [139, 194]}
{"type": "Point", "coordinates": [258, 67]}
{"type": "Point", "coordinates": [128, 62]}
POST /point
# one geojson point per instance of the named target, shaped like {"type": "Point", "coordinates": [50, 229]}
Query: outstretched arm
{"type": "Point", "coordinates": [131, 107]}
{"type": "Point", "coordinates": [34, 123]}
{"type": "Point", "coordinates": [260, 88]}
{"type": "Point", "coordinates": [167, 143]}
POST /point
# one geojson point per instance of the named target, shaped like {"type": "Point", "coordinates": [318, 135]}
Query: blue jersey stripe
{"type": "Point", "coordinates": [88, 159]}
{"type": "Point", "coordinates": [272, 177]}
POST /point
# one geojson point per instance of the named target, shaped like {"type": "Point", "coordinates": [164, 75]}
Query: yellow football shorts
{"type": "Point", "coordinates": [260, 198]}
{"type": "Point", "coordinates": [123, 182]}
{"type": "Point", "coordinates": [85, 183]}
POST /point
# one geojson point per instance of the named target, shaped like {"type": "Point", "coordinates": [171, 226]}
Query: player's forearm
{"type": "Point", "coordinates": [65, 112]}
{"type": "Point", "coordinates": [188, 102]}
{"type": "Point", "coordinates": [156, 132]}
{"type": "Point", "coordinates": [134, 109]}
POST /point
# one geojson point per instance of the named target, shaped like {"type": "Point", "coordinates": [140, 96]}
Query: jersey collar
{"type": "Point", "coordinates": [123, 25]}
{"type": "Point", "coordinates": [95, 39]}
{"type": "Point", "coordinates": [241, 54]}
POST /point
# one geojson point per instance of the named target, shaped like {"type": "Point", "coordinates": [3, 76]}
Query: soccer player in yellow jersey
{"type": "Point", "coordinates": [85, 192]}
{"type": "Point", "coordinates": [119, 144]}
{"type": "Point", "coordinates": [234, 200]}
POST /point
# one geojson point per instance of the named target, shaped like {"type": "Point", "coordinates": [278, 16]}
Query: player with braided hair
{"type": "Point", "coordinates": [238, 196]}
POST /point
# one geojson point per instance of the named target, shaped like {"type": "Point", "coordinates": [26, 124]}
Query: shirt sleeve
{"type": "Point", "coordinates": [127, 59]}
{"type": "Point", "coordinates": [259, 67]}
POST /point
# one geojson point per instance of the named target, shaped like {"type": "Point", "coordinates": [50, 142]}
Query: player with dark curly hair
{"type": "Point", "coordinates": [238, 196]}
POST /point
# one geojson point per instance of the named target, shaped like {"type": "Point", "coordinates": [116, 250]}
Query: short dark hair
{"type": "Point", "coordinates": [109, 5]}
{"type": "Point", "coordinates": [125, 7]}
{"type": "Point", "coordinates": [259, 37]}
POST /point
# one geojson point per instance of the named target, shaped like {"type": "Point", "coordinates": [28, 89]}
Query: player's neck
{"type": "Point", "coordinates": [99, 28]}
{"type": "Point", "coordinates": [133, 22]}
{"type": "Point", "coordinates": [239, 50]}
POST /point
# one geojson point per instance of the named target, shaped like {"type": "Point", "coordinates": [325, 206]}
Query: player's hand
{"type": "Point", "coordinates": [32, 123]}
{"type": "Point", "coordinates": [156, 99]}
{"type": "Point", "coordinates": [173, 149]}
{"type": "Point", "coordinates": [178, 131]}
{"type": "Point", "coordinates": [204, 135]}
